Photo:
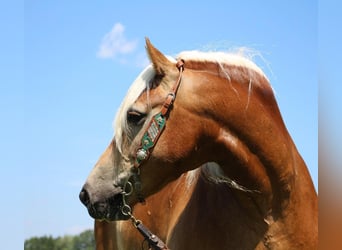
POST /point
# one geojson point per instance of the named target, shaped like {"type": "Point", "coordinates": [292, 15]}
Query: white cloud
{"type": "Point", "coordinates": [115, 43]}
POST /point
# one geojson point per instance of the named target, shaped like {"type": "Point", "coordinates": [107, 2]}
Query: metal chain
{"type": "Point", "coordinates": [153, 241]}
{"type": "Point", "coordinates": [126, 209]}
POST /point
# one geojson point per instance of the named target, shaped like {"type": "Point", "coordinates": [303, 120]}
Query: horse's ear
{"type": "Point", "coordinates": [160, 63]}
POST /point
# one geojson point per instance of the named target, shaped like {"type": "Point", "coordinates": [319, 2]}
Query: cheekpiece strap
{"type": "Point", "coordinates": [157, 124]}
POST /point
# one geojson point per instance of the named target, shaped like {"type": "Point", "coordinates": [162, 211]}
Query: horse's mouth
{"type": "Point", "coordinates": [110, 209]}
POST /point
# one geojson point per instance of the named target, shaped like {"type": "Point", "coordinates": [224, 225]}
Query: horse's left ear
{"type": "Point", "coordinates": [161, 64]}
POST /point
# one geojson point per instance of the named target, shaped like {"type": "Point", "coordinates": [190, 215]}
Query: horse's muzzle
{"type": "Point", "coordinates": [107, 209]}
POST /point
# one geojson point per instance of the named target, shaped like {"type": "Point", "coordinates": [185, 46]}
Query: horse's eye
{"type": "Point", "coordinates": [135, 117]}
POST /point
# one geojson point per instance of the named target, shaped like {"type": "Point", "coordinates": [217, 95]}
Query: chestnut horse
{"type": "Point", "coordinates": [201, 142]}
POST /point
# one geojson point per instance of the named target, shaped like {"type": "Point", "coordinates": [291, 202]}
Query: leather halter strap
{"type": "Point", "coordinates": [157, 123]}
{"type": "Point", "coordinates": [172, 95]}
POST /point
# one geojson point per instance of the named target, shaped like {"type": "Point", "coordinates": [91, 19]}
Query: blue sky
{"type": "Point", "coordinates": [59, 100]}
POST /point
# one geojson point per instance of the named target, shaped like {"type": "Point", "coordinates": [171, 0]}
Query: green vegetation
{"type": "Point", "coordinates": [83, 241]}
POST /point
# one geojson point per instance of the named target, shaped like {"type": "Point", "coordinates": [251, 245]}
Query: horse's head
{"type": "Point", "coordinates": [127, 166]}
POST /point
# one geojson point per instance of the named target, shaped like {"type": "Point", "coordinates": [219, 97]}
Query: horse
{"type": "Point", "coordinates": [202, 158]}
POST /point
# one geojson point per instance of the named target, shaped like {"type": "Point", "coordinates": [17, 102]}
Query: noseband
{"type": "Point", "coordinates": [150, 137]}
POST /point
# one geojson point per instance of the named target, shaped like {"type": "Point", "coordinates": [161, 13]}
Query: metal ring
{"type": "Point", "coordinates": [130, 189]}
{"type": "Point", "coordinates": [126, 210]}
{"type": "Point", "coordinates": [136, 222]}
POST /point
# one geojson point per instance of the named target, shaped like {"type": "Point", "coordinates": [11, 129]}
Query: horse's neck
{"type": "Point", "coordinates": [253, 147]}
{"type": "Point", "coordinates": [251, 143]}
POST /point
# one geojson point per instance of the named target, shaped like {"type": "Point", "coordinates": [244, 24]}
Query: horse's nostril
{"type": "Point", "coordinates": [84, 196]}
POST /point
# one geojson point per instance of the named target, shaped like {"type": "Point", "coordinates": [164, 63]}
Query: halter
{"type": "Point", "coordinates": [152, 133]}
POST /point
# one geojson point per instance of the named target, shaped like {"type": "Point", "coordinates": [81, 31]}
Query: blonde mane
{"type": "Point", "coordinates": [231, 59]}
